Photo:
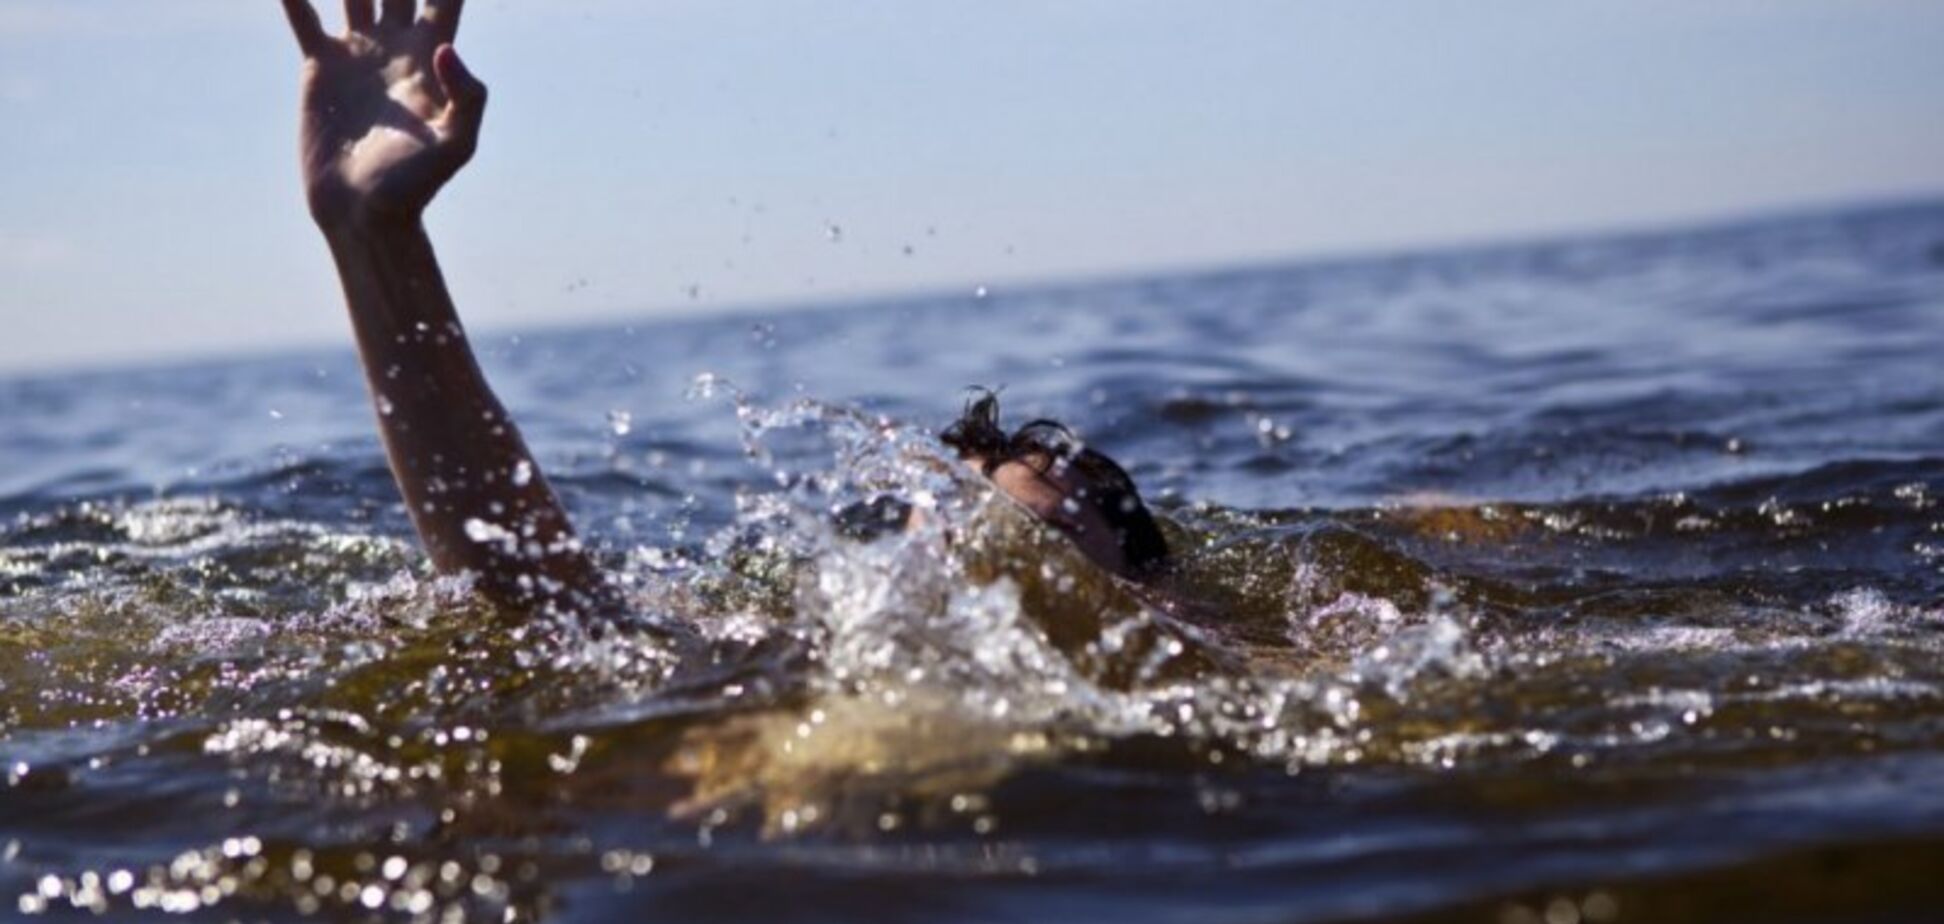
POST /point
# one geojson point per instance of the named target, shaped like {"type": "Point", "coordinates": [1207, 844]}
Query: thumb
{"type": "Point", "coordinates": [465, 94]}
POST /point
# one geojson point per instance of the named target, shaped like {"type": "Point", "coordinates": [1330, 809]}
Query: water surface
{"type": "Point", "coordinates": [1596, 579]}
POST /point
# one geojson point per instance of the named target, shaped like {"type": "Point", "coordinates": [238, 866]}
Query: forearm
{"type": "Point", "coordinates": [479, 502]}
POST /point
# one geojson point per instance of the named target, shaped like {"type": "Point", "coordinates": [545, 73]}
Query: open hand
{"type": "Point", "coordinates": [390, 113]}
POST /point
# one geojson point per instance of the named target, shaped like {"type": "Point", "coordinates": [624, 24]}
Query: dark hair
{"type": "Point", "coordinates": [1108, 487]}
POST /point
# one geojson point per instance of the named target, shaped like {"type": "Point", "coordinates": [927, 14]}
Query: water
{"type": "Point", "coordinates": [1592, 580]}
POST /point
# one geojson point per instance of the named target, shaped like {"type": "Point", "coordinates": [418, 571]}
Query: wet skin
{"type": "Point", "coordinates": [1055, 493]}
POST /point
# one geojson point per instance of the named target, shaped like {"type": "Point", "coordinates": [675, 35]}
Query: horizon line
{"type": "Point", "coordinates": [677, 313]}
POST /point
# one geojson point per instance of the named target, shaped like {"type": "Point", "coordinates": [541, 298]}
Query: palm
{"type": "Point", "coordinates": [389, 115]}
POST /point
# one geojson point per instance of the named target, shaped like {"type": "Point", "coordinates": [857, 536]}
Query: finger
{"type": "Point", "coordinates": [465, 93]}
{"type": "Point", "coordinates": [399, 13]}
{"type": "Point", "coordinates": [308, 28]}
{"type": "Point", "coordinates": [357, 15]}
{"type": "Point", "coordinates": [444, 17]}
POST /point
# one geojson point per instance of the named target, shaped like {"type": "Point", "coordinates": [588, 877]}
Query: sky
{"type": "Point", "coordinates": [653, 157]}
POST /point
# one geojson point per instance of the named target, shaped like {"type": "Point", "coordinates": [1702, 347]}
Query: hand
{"type": "Point", "coordinates": [389, 111]}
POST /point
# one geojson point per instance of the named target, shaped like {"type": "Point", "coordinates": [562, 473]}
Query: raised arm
{"type": "Point", "coordinates": [390, 114]}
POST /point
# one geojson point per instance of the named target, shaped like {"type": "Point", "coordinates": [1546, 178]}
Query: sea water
{"type": "Point", "coordinates": [1597, 579]}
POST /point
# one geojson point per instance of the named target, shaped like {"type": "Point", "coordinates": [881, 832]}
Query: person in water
{"type": "Point", "coordinates": [390, 114]}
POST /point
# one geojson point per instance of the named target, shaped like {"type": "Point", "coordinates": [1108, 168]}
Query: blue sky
{"type": "Point", "coordinates": [650, 157]}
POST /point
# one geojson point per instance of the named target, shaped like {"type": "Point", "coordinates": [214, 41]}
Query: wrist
{"type": "Point", "coordinates": [390, 275]}
{"type": "Point", "coordinates": [365, 222]}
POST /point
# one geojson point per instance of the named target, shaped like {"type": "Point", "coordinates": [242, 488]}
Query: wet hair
{"type": "Point", "coordinates": [1043, 443]}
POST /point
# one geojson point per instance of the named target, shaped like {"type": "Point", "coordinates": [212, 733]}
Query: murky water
{"type": "Point", "coordinates": [1585, 581]}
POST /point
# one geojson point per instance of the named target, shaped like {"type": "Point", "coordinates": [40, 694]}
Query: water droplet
{"type": "Point", "coordinates": [981, 293]}
{"type": "Point", "coordinates": [479, 530]}
{"type": "Point", "coordinates": [522, 473]}
{"type": "Point", "coordinates": [621, 422]}
{"type": "Point", "coordinates": [707, 385]}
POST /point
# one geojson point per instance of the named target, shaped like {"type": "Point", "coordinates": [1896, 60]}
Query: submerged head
{"type": "Point", "coordinates": [1079, 491]}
